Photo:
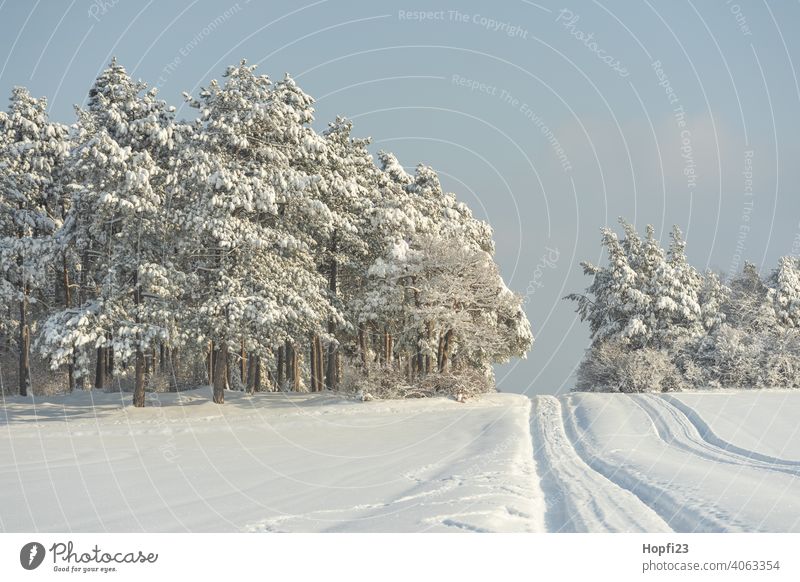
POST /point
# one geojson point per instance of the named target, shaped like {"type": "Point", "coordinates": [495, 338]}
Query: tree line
{"type": "Point", "coordinates": [244, 241]}
{"type": "Point", "coordinates": [658, 324]}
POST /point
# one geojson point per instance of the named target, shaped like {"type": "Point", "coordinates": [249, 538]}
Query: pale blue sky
{"type": "Point", "coordinates": [551, 144]}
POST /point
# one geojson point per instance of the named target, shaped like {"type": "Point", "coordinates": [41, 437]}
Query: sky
{"type": "Point", "coordinates": [549, 119]}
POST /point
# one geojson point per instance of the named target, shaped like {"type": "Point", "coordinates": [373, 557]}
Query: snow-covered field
{"type": "Point", "coordinates": [273, 462]}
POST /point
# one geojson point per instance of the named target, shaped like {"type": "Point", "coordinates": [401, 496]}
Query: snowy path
{"type": "Point", "coordinates": [579, 499]}
{"type": "Point", "coordinates": [651, 448]}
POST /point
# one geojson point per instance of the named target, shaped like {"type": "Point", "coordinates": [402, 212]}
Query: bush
{"type": "Point", "coordinates": [614, 367]}
{"type": "Point", "coordinates": [391, 383]}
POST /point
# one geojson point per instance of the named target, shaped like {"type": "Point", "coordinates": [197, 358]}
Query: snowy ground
{"type": "Point", "coordinates": [684, 463]}
{"type": "Point", "coordinates": [268, 463]}
{"type": "Point", "coordinates": [584, 462]}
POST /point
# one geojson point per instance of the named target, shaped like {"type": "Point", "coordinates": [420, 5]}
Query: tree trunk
{"type": "Point", "coordinates": [80, 383]}
{"type": "Point", "coordinates": [362, 347]}
{"type": "Point", "coordinates": [389, 357]}
{"type": "Point", "coordinates": [229, 369]}
{"type": "Point", "coordinates": [320, 363]}
{"type": "Point", "coordinates": [256, 373]}
{"type": "Point", "coordinates": [161, 357]}
{"type": "Point", "coordinates": [109, 360]}
{"type": "Point", "coordinates": [243, 362]}
{"type": "Point", "coordinates": [295, 370]}
{"type": "Point", "coordinates": [313, 363]}
{"type": "Point", "coordinates": [138, 390]}
{"type": "Point", "coordinates": [220, 373]}
{"type": "Point", "coordinates": [429, 331]}
{"type": "Point", "coordinates": [420, 357]}
{"type": "Point", "coordinates": [68, 304]}
{"type": "Point", "coordinates": [289, 365]}
{"type": "Point", "coordinates": [100, 369]}
{"type": "Point", "coordinates": [279, 366]}
{"type": "Point", "coordinates": [24, 345]}
{"type": "Point", "coordinates": [331, 363]}
{"type": "Point", "coordinates": [331, 375]}
{"type": "Point", "coordinates": [251, 375]}
{"type": "Point", "coordinates": [210, 362]}
{"type": "Point", "coordinates": [292, 367]}
{"type": "Point", "coordinates": [445, 350]}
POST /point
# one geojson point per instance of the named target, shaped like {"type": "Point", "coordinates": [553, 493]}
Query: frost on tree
{"type": "Point", "coordinates": [252, 215]}
{"type": "Point", "coordinates": [659, 325]}
{"type": "Point", "coordinates": [241, 243]}
{"type": "Point", "coordinates": [117, 234]}
{"type": "Point", "coordinates": [435, 288]}
{"type": "Point", "coordinates": [32, 151]}
{"type": "Point", "coordinates": [647, 309]}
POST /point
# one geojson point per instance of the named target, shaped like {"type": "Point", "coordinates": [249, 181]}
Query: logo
{"type": "Point", "coordinates": [31, 555]}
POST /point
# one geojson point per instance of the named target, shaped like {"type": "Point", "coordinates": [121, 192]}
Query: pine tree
{"type": "Point", "coordinates": [32, 150]}
{"type": "Point", "coordinates": [253, 262]}
{"type": "Point", "coordinates": [116, 230]}
{"type": "Point", "coordinates": [783, 293]}
{"type": "Point", "coordinates": [618, 307]}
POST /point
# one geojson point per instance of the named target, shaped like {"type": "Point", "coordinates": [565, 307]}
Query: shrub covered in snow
{"type": "Point", "coordinates": [613, 367]}
{"type": "Point", "coordinates": [386, 382]}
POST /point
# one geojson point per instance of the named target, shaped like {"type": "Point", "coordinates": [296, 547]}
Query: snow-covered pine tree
{"type": "Point", "coordinates": [115, 219]}
{"type": "Point", "coordinates": [471, 313]}
{"type": "Point", "coordinates": [348, 186]}
{"type": "Point", "coordinates": [32, 151]}
{"type": "Point", "coordinates": [676, 290]}
{"type": "Point", "coordinates": [651, 300]}
{"type": "Point", "coordinates": [134, 117]}
{"type": "Point", "coordinates": [614, 304]}
{"type": "Point", "coordinates": [118, 231]}
{"type": "Point", "coordinates": [783, 294]}
{"type": "Point", "coordinates": [648, 297]}
{"type": "Point", "coordinates": [435, 284]}
{"type": "Point", "coordinates": [257, 284]}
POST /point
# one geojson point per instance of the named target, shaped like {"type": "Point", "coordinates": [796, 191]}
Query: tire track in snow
{"type": "Point", "coordinates": [677, 428]}
{"type": "Point", "coordinates": [675, 507]}
{"type": "Point", "coordinates": [708, 435]}
{"type": "Point", "coordinates": [579, 499]}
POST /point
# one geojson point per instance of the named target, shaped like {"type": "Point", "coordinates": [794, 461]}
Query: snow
{"type": "Point", "coordinates": [584, 462]}
{"type": "Point", "coordinates": [648, 446]}
{"type": "Point", "coordinates": [271, 462]}
{"type": "Point", "coordinates": [764, 421]}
